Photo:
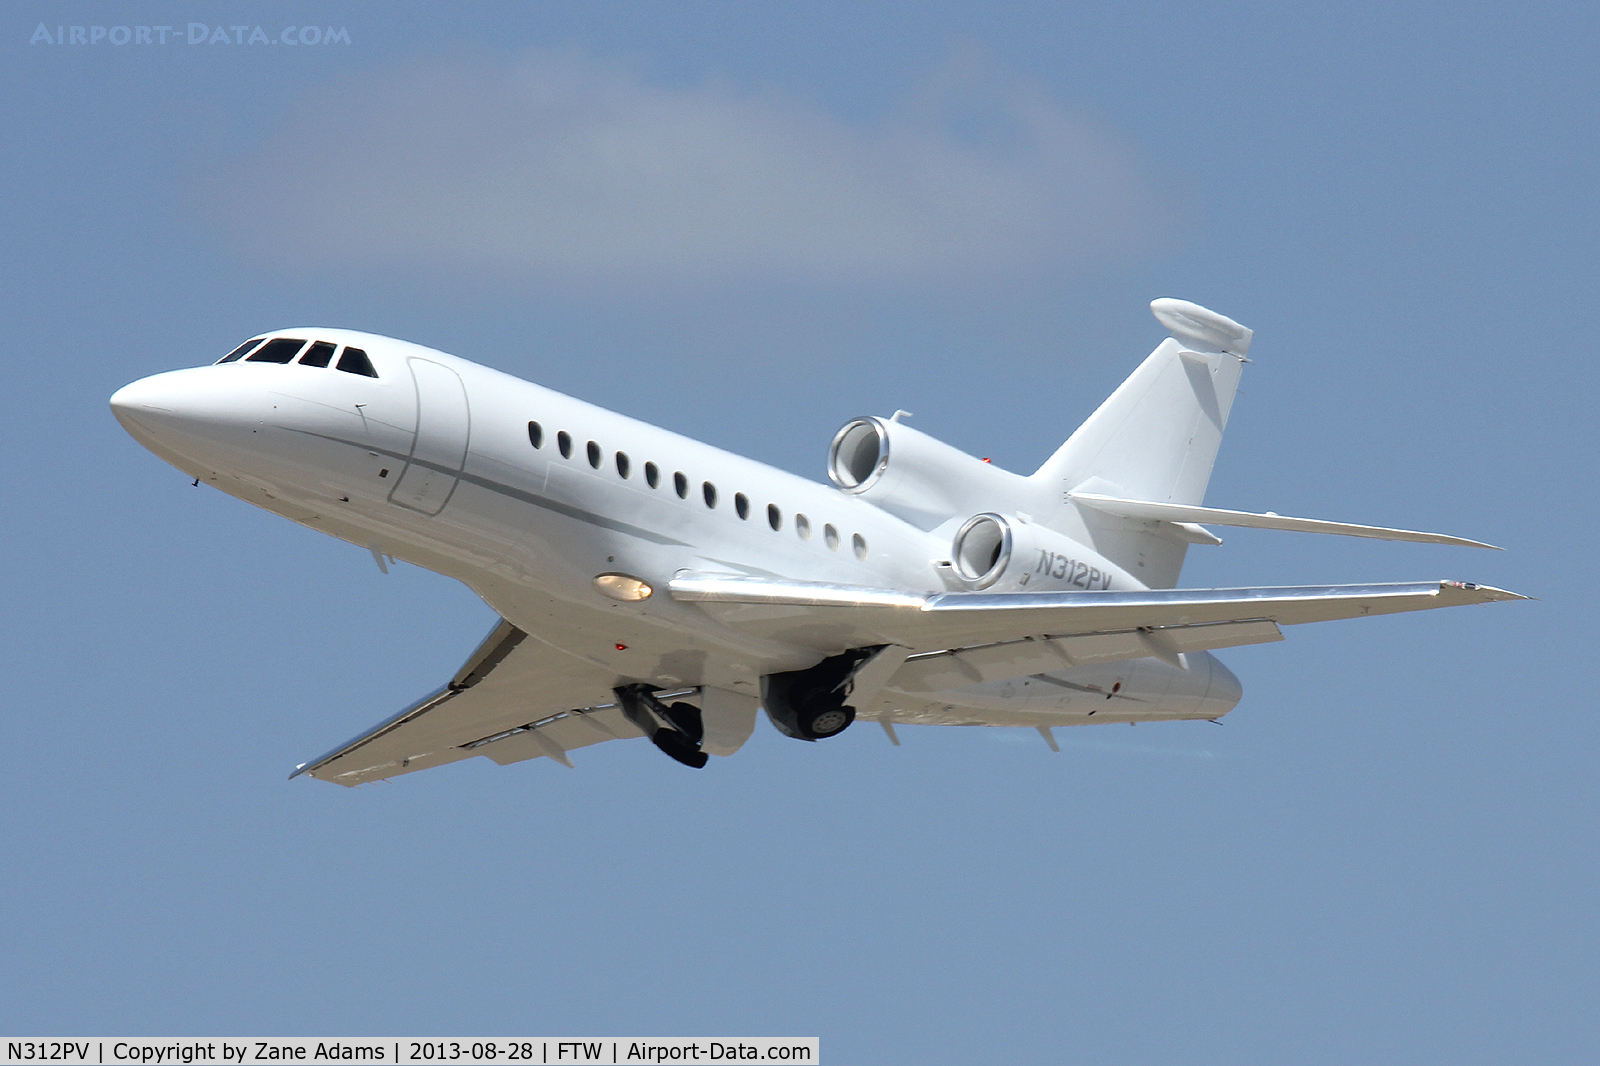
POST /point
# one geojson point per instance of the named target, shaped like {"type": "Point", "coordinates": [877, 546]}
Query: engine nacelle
{"type": "Point", "coordinates": [912, 475]}
{"type": "Point", "coordinates": [1001, 554]}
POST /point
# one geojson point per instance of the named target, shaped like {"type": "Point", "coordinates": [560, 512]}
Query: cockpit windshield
{"type": "Point", "coordinates": [237, 352]}
{"type": "Point", "coordinates": [277, 350]}
{"type": "Point", "coordinates": [355, 361]}
{"type": "Point", "coordinates": [317, 353]}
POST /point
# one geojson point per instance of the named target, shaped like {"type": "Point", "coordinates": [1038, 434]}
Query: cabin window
{"type": "Point", "coordinates": [623, 466]}
{"type": "Point", "coordinates": [858, 544]}
{"type": "Point", "coordinates": [355, 361]}
{"type": "Point", "coordinates": [681, 483]}
{"type": "Point", "coordinates": [536, 434]}
{"type": "Point", "coordinates": [709, 491]}
{"type": "Point", "coordinates": [774, 516]}
{"type": "Point", "coordinates": [277, 350]}
{"type": "Point", "coordinates": [802, 527]}
{"type": "Point", "coordinates": [594, 455]}
{"type": "Point", "coordinates": [741, 504]}
{"type": "Point", "coordinates": [564, 442]}
{"type": "Point", "coordinates": [319, 354]}
{"type": "Point", "coordinates": [652, 475]}
{"type": "Point", "coordinates": [237, 352]}
{"type": "Point", "coordinates": [831, 536]}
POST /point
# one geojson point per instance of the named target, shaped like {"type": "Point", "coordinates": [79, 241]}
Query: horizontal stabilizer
{"type": "Point", "coordinates": [1180, 514]}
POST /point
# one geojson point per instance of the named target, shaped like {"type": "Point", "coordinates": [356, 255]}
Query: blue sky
{"type": "Point", "coordinates": [751, 223]}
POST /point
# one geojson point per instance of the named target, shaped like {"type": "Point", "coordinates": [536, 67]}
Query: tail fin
{"type": "Point", "coordinates": [1155, 438]}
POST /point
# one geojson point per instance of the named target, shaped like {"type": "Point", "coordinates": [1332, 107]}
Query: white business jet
{"type": "Point", "coordinates": [653, 586]}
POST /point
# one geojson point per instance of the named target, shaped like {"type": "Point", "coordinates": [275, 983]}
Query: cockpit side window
{"type": "Point", "coordinates": [318, 354]}
{"type": "Point", "coordinates": [239, 351]}
{"type": "Point", "coordinates": [355, 361]}
{"type": "Point", "coordinates": [277, 350]}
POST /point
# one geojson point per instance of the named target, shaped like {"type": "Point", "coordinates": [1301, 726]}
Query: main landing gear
{"type": "Point", "coordinates": [683, 732]}
{"type": "Point", "coordinates": [810, 704]}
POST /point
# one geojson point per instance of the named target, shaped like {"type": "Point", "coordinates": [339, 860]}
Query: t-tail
{"type": "Point", "coordinates": [1130, 483]}
{"type": "Point", "coordinates": [1154, 439]}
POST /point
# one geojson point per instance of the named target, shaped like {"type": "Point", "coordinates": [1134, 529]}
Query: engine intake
{"type": "Point", "coordinates": [1003, 554]}
{"type": "Point", "coordinates": [981, 550]}
{"type": "Point", "coordinates": [859, 455]}
{"type": "Point", "coordinates": [914, 476]}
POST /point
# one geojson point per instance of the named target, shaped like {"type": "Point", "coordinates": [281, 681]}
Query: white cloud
{"type": "Point", "coordinates": [558, 168]}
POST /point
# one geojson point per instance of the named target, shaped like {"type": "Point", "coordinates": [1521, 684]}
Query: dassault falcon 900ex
{"type": "Point", "coordinates": [653, 586]}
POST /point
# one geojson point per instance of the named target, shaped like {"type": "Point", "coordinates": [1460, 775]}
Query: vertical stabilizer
{"type": "Point", "coordinates": [1155, 438]}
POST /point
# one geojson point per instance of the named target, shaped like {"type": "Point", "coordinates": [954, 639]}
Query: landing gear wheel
{"type": "Point", "coordinates": [685, 718]}
{"type": "Point", "coordinates": [678, 747]}
{"type": "Point", "coordinates": [680, 738]}
{"type": "Point", "coordinates": [827, 723]}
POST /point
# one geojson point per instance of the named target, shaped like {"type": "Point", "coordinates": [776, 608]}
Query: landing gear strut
{"type": "Point", "coordinates": [680, 737]}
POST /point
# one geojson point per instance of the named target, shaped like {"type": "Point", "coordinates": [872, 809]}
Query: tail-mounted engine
{"type": "Point", "coordinates": [1002, 554]}
{"type": "Point", "coordinates": [912, 475]}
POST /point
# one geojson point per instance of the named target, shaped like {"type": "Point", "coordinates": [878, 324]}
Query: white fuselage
{"type": "Point", "coordinates": [432, 461]}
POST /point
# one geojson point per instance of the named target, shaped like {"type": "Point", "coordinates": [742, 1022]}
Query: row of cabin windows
{"type": "Point", "coordinates": [708, 491]}
{"type": "Point", "coordinates": [318, 354]}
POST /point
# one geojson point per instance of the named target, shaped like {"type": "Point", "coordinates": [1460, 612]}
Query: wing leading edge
{"type": "Point", "coordinates": [941, 621]}
{"type": "Point", "coordinates": [515, 698]}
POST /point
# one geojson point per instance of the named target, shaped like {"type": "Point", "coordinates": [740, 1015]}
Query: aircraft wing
{"type": "Point", "coordinates": [515, 698]}
{"type": "Point", "coordinates": [832, 617]}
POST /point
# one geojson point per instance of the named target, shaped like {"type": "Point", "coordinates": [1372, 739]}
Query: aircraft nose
{"type": "Point", "coordinates": [154, 403]}
{"type": "Point", "coordinates": [138, 397]}
{"type": "Point", "coordinates": [179, 410]}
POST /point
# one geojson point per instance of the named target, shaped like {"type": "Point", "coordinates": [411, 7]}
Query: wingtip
{"type": "Point", "coordinates": [1462, 542]}
{"type": "Point", "coordinates": [1487, 593]}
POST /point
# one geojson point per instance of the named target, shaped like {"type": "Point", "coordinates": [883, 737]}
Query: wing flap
{"type": "Point", "coordinates": [961, 667]}
{"type": "Point", "coordinates": [555, 736]}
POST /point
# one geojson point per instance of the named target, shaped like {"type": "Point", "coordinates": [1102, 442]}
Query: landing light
{"type": "Point", "coordinates": [624, 587]}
